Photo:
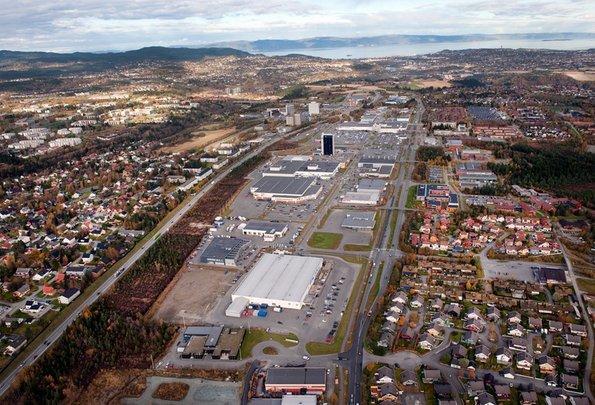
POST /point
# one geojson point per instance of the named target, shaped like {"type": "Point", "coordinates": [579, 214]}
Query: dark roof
{"type": "Point", "coordinates": [296, 376]}
{"type": "Point", "coordinates": [70, 292]}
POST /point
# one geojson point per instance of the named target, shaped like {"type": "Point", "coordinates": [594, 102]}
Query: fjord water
{"type": "Point", "coordinates": [425, 48]}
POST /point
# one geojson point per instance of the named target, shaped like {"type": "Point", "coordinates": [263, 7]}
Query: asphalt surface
{"type": "Point", "coordinates": [108, 283]}
{"type": "Point", "coordinates": [352, 359]}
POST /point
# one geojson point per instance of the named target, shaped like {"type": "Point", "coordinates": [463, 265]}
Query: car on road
{"type": "Point", "coordinates": [306, 357]}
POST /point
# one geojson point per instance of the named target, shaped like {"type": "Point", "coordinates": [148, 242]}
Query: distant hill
{"type": "Point", "coordinates": [157, 53]}
{"type": "Point", "coordinates": [277, 45]}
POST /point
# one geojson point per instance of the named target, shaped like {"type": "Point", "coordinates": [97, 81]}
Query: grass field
{"type": "Point", "coordinates": [411, 195]}
{"type": "Point", "coordinates": [325, 240]}
{"type": "Point", "coordinates": [586, 285]}
{"type": "Point", "coordinates": [255, 336]}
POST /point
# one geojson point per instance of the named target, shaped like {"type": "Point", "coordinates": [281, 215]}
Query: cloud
{"type": "Point", "coordinates": [65, 25]}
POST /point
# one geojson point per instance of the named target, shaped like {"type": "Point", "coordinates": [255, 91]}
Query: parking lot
{"type": "Point", "coordinates": [351, 236]}
{"type": "Point", "coordinates": [324, 306]}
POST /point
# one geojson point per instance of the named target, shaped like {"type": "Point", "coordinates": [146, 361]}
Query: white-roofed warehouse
{"type": "Point", "coordinates": [279, 280]}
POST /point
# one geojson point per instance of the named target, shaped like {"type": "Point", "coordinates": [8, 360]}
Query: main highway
{"type": "Point", "coordinates": [22, 361]}
{"type": "Point", "coordinates": [352, 359]}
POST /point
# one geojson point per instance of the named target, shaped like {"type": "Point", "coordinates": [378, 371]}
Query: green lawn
{"type": "Point", "coordinates": [255, 336]}
{"type": "Point", "coordinates": [352, 247]}
{"type": "Point", "coordinates": [325, 240]}
{"type": "Point", "coordinates": [586, 285]}
{"type": "Point", "coordinates": [411, 198]}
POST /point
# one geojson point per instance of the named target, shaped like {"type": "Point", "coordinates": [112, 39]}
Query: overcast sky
{"type": "Point", "coordinates": [95, 25]}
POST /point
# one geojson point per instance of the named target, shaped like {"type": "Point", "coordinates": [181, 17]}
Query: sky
{"type": "Point", "coordinates": [99, 25]}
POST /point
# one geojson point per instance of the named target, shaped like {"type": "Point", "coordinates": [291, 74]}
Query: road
{"type": "Point", "coordinates": [352, 359]}
{"type": "Point", "coordinates": [587, 374]}
{"type": "Point", "coordinates": [109, 282]}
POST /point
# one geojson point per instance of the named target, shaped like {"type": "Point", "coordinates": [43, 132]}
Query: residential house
{"type": "Point", "coordinates": [387, 392]}
{"type": "Point", "coordinates": [524, 361]}
{"type": "Point", "coordinates": [514, 317]}
{"type": "Point", "coordinates": [486, 399]}
{"type": "Point", "coordinates": [580, 330]}
{"type": "Point", "coordinates": [528, 398]}
{"type": "Point", "coordinates": [475, 388]}
{"type": "Point", "coordinates": [430, 376]}
{"type": "Point", "coordinates": [570, 352]}
{"type": "Point", "coordinates": [546, 364]}
{"type": "Point", "coordinates": [13, 343]}
{"type": "Point", "coordinates": [493, 314]}
{"type": "Point", "coordinates": [555, 326]}
{"type": "Point", "coordinates": [22, 291]}
{"type": "Point", "coordinates": [503, 356]}
{"type": "Point", "coordinates": [482, 353]}
{"type": "Point", "coordinates": [69, 295]}
{"type": "Point", "coordinates": [408, 378]}
{"type": "Point", "coordinates": [517, 330]}
{"type": "Point", "coordinates": [573, 340]}
{"type": "Point", "coordinates": [385, 375]}
{"type": "Point", "coordinates": [426, 342]}
{"type": "Point", "coordinates": [570, 382]}
{"type": "Point", "coordinates": [502, 391]}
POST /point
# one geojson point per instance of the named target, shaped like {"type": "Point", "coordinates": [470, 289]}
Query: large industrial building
{"type": "Point", "coordinates": [223, 251]}
{"type": "Point", "coordinates": [286, 189]}
{"type": "Point", "coordinates": [265, 229]}
{"type": "Point", "coordinates": [376, 166]}
{"type": "Point", "coordinates": [359, 220]}
{"type": "Point", "coordinates": [279, 281]}
{"type": "Point", "coordinates": [301, 166]}
{"type": "Point", "coordinates": [368, 192]}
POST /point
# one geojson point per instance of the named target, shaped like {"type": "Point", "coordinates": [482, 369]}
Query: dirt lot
{"type": "Point", "coordinates": [199, 141]}
{"type": "Point", "coordinates": [587, 76]}
{"type": "Point", "coordinates": [173, 391]}
{"type": "Point", "coordinates": [194, 294]}
{"type": "Point", "coordinates": [423, 84]}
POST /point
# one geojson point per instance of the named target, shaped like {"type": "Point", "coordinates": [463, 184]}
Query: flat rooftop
{"type": "Point", "coordinates": [377, 160]}
{"type": "Point", "coordinates": [222, 248]}
{"type": "Point", "coordinates": [283, 186]}
{"type": "Point", "coordinates": [297, 167]}
{"type": "Point", "coordinates": [359, 219]}
{"type": "Point", "coordinates": [296, 376]}
{"type": "Point", "coordinates": [279, 278]}
{"type": "Point", "coordinates": [265, 226]}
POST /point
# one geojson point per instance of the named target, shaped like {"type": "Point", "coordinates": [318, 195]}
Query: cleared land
{"type": "Point", "coordinates": [195, 293]}
{"type": "Point", "coordinates": [580, 76]}
{"type": "Point", "coordinates": [173, 391]}
{"type": "Point", "coordinates": [325, 240]}
{"type": "Point", "coordinates": [201, 138]}
{"type": "Point", "coordinates": [424, 84]}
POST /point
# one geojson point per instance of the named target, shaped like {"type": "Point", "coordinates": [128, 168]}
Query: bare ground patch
{"type": "Point", "coordinates": [201, 138]}
{"type": "Point", "coordinates": [194, 294]}
{"type": "Point", "coordinates": [173, 391]}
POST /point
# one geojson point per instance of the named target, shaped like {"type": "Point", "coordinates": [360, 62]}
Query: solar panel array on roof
{"type": "Point", "coordinates": [283, 186]}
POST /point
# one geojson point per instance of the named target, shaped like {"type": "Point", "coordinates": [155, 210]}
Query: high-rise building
{"type": "Point", "coordinates": [314, 108]}
{"type": "Point", "coordinates": [327, 144]}
{"type": "Point", "coordinates": [289, 109]}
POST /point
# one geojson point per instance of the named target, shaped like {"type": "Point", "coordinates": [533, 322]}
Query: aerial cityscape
{"type": "Point", "coordinates": [343, 203]}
